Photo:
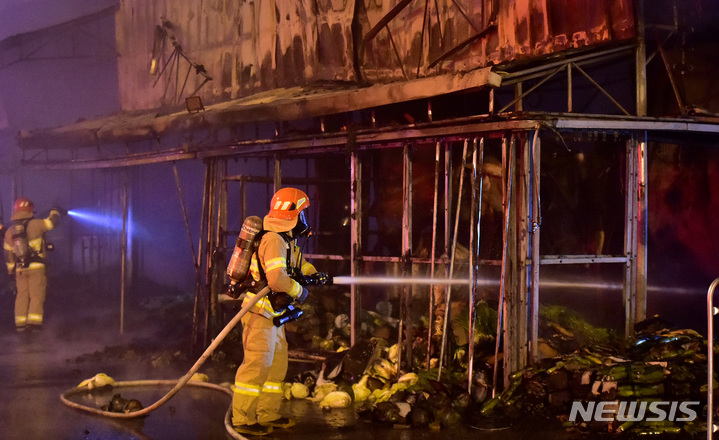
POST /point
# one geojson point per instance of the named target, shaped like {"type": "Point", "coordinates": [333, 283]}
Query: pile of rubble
{"type": "Point", "coordinates": [367, 378]}
{"type": "Point", "coordinates": [653, 383]}
{"type": "Point", "coordinates": [583, 368]}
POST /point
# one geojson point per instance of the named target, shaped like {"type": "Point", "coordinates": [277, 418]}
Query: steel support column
{"type": "Point", "coordinates": [507, 177]}
{"type": "Point", "coordinates": [524, 255]}
{"type": "Point", "coordinates": [356, 244]}
{"type": "Point", "coordinates": [474, 245]}
{"type": "Point", "coordinates": [640, 304]}
{"type": "Point", "coordinates": [630, 237]}
{"type": "Point", "coordinates": [447, 201]}
{"type": "Point", "coordinates": [433, 252]}
{"type": "Point", "coordinates": [536, 212]}
{"type": "Point", "coordinates": [406, 269]}
{"type": "Point", "coordinates": [515, 297]}
{"type": "Point", "coordinates": [210, 301]}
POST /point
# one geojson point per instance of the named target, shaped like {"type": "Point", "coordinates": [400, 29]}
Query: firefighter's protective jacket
{"type": "Point", "coordinates": [257, 392]}
{"type": "Point", "coordinates": [273, 254]}
{"type": "Point", "coordinates": [35, 229]}
{"type": "Point", "coordinates": [31, 281]}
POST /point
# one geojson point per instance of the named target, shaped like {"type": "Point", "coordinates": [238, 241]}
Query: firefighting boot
{"type": "Point", "coordinates": [282, 422]}
{"type": "Point", "coordinates": [254, 429]}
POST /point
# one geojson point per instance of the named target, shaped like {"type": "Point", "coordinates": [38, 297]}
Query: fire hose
{"type": "Point", "coordinates": [184, 380]}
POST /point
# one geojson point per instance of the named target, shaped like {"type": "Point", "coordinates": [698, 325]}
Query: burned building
{"type": "Point", "coordinates": [553, 140]}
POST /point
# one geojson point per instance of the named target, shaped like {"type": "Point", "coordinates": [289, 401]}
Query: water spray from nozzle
{"type": "Point", "coordinates": [397, 280]}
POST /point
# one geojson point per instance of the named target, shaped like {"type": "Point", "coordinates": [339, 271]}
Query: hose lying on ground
{"type": "Point", "coordinates": [184, 380]}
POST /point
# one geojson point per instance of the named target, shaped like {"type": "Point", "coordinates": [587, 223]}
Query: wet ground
{"type": "Point", "coordinates": [35, 369]}
{"type": "Point", "coordinates": [79, 342]}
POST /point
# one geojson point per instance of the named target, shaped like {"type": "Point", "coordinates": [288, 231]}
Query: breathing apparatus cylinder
{"type": "Point", "coordinates": [245, 246]}
{"type": "Point", "coordinates": [21, 248]}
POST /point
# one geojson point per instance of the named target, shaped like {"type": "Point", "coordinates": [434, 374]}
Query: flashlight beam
{"type": "Point", "coordinates": [114, 223]}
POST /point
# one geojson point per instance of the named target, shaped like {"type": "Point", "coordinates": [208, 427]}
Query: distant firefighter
{"type": "Point", "coordinates": [25, 250]}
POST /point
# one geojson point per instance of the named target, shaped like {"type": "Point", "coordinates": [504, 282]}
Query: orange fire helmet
{"type": "Point", "coordinates": [23, 208]}
{"type": "Point", "coordinates": [287, 204]}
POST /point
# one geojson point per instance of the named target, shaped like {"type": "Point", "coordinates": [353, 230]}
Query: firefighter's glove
{"type": "Point", "coordinates": [280, 301]}
{"type": "Point", "coordinates": [300, 278]}
{"type": "Point", "coordinates": [321, 278]}
{"type": "Point", "coordinates": [61, 211]}
{"type": "Point", "coordinates": [316, 279]}
{"type": "Point", "coordinates": [302, 296]}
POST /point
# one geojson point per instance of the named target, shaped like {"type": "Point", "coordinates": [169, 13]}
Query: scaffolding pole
{"type": "Point", "coordinates": [356, 241]}
{"type": "Point", "coordinates": [406, 269]}
{"type": "Point", "coordinates": [476, 220]}
{"type": "Point", "coordinates": [536, 209]}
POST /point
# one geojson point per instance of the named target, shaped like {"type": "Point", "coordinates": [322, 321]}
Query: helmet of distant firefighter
{"type": "Point", "coordinates": [287, 211]}
{"type": "Point", "coordinates": [23, 209]}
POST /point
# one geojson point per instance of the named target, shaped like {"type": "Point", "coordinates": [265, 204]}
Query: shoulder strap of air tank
{"type": "Point", "coordinates": [258, 239]}
{"type": "Point", "coordinates": [288, 241]}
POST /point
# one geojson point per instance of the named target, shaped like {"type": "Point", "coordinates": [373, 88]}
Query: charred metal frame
{"type": "Point", "coordinates": [489, 25]}
{"type": "Point", "coordinates": [405, 322]}
{"type": "Point", "coordinates": [173, 61]}
{"type": "Point", "coordinates": [547, 71]}
{"type": "Point", "coordinates": [521, 330]}
{"type": "Point", "coordinates": [522, 216]}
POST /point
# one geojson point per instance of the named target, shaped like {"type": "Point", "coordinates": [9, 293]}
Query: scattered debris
{"type": "Point", "coordinates": [578, 363]}
{"type": "Point", "coordinates": [659, 364]}
{"type": "Point", "coordinates": [97, 381]}
{"type": "Point", "coordinates": [120, 405]}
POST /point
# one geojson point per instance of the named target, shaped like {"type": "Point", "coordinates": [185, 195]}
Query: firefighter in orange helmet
{"type": "Point", "coordinates": [257, 392]}
{"type": "Point", "coordinates": [25, 249]}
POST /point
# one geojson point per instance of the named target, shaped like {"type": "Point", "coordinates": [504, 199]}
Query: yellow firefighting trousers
{"type": "Point", "coordinates": [29, 302]}
{"type": "Point", "coordinates": [257, 393]}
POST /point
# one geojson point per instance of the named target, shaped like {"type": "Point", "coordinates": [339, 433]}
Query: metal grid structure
{"type": "Point", "coordinates": [521, 140]}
